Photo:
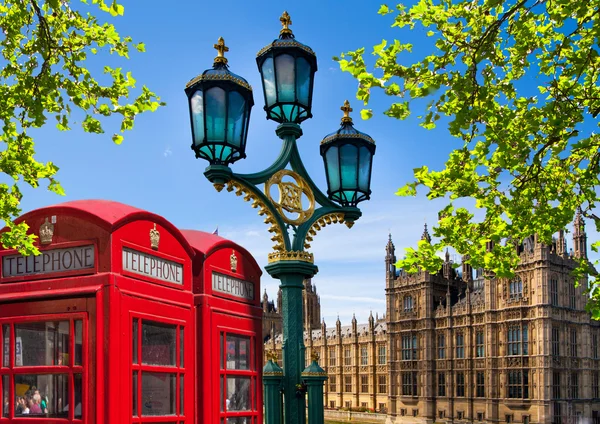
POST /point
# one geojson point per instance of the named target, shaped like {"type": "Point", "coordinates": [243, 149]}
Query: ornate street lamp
{"type": "Point", "coordinates": [219, 128]}
{"type": "Point", "coordinates": [220, 103]}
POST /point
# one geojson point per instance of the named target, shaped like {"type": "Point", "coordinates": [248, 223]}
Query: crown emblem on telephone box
{"type": "Point", "coordinates": [154, 238]}
{"type": "Point", "coordinates": [46, 232]}
{"type": "Point", "coordinates": [233, 261]}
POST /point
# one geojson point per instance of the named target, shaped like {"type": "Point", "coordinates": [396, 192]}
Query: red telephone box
{"type": "Point", "coordinates": [103, 326]}
{"type": "Point", "coordinates": [226, 286]}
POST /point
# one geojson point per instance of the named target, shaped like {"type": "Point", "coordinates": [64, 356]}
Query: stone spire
{"type": "Point", "coordinates": [354, 324]}
{"type": "Point", "coordinates": [426, 235]}
{"type": "Point", "coordinates": [447, 267]}
{"type": "Point", "coordinates": [265, 302]}
{"type": "Point", "coordinates": [371, 322]}
{"type": "Point", "coordinates": [579, 235]}
{"type": "Point", "coordinates": [467, 270]}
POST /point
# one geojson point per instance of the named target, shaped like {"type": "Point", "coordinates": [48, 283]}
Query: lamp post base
{"type": "Point", "coordinates": [292, 275]}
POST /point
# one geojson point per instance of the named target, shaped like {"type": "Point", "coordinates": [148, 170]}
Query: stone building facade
{"type": "Point", "coordinates": [461, 346]}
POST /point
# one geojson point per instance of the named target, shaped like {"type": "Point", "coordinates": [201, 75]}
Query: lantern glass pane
{"type": "Point", "coordinates": [290, 112]}
{"type": "Point", "coordinates": [197, 105]}
{"type": "Point", "coordinates": [215, 115]}
{"type": "Point", "coordinates": [349, 166]}
{"type": "Point", "coordinates": [235, 122]}
{"type": "Point", "coordinates": [333, 168]}
{"type": "Point", "coordinates": [302, 80]}
{"type": "Point", "coordinates": [285, 72]}
{"type": "Point", "coordinates": [268, 76]}
{"type": "Point", "coordinates": [364, 169]}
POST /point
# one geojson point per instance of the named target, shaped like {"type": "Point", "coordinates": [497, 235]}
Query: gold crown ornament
{"type": "Point", "coordinates": [233, 260]}
{"type": "Point", "coordinates": [154, 238]}
{"type": "Point", "coordinates": [46, 232]}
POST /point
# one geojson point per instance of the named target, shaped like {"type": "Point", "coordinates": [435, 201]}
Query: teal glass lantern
{"type": "Point", "coordinates": [348, 157]}
{"type": "Point", "coordinates": [287, 68]}
{"type": "Point", "coordinates": [220, 103]}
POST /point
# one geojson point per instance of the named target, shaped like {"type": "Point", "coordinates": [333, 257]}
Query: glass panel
{"type": "Point", "coordinates": [365, 169]}
{"type": "Point", "coordinates": [222, 393]}
{"type": "Point", "coordinates": [284, 70]}
{"type": "Point", "coordinates": [134, 391]}
{"type": "Point", "coordinates": [78, 342]}
{"type": "Point", "coordinates": [5, 396]}
{"type": "Point", "coordinates": [42, 343]}
{"type": "Point", "coordinates": [77, 388]}
{"type": "Point", "coordinates": [302, 80]}
{"type": "Point", "coordinates": [289, 112]}
{"type": "Point", "coordinates": [239, 420]}
{"type": "Point", "coordinates": [5, 345]}
{"type": "Point", "coordinates": [42, 395]}
{"type": "Point", "coordinates": [134, 340]}
{"type": "Point", "coordinates": [221, 351]}
{"type": "Point", "coordinates": [349, 165]}
{"type": "Point", "coordinates": [158, 393]}
{"type": "Point", "coordinates": [197, 105]}
{"type": "Point", "coordinates": [333, 168]}
{"type": "Point", "coordinates": [215, 114]}
{"type": "Point", "coordinates": [238, 352]}
{"type": "Point", "coordinates": [235, 121]}
{"type": "Point", "coordinates": [158, 343]}
{"type": "Point", "coordinates": [268, 77]}
{"type": "Point", "coordinates": [181, 346]}
{"type": "Point", "coordinates": [181, 395]}
{"type": "Point", "coordinates": [238, 394]}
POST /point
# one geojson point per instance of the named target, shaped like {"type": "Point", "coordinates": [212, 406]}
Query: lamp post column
{"type": "Point", "coordinates": [292, 273]}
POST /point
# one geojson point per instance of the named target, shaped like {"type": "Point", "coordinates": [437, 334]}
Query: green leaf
{"type": "Point", "coordinates": [366, 114]}
{"type": "Point", "coordinates": [117, 138]}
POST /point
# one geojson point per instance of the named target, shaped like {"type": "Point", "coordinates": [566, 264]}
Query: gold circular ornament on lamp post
{"type": "Point", "coordinates": [290, 196]}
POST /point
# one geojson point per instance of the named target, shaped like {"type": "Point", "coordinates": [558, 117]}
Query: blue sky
{"type": "Point", "coordinates": [156, 170]}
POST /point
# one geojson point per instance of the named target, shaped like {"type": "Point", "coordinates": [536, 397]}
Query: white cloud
{"type": "Point", "coordinates": [167, 151]}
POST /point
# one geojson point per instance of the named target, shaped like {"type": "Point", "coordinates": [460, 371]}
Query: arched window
{"type": "Point", "coordinates": [516, 288]}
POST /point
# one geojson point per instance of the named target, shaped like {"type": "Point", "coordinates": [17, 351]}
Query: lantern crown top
{"type": "Point", "coordinates": [286, 21]}
{"type": "Point", "coordinates": [221, 48]}
{"type": "Point", "coordinates": [347, 129]}
{"type": "Point", "coordinates": [346, 109]}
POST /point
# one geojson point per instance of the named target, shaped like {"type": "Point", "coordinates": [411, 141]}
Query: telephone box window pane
{"type": "Point", "coordinates": [134, 389]}
{"type": "Point", "coordinates": [239, 420]}
{"type": "Point", "coordinates": [78, 342]}
{"type": "Point", "coordinates": [181, 395]}
{"type": "Point", "coordinates": [158, 393]}
{"type": "Point", "coordinates": [158, 343]}
{"type": "Point", "coordinates": [77, 388]}
{"type": "Point", "coordinates": [5, 345]}
{"type": "Point", "coordinates": [222, 393]}
{"type": "Point", "coordinates": [238, 352]}
{"type": "Point", "coordinates": [43, 395]}
{"type": "Point", "coordinates": [181, 344]}
{"type": "Point", "coordinates": [5, 395]}
{"type": "Point", "coordinates": [41, 343]}
{"type": "Point", "coordinates": [134, 341]}
{"type": "Point", "coordinates": [238, 394]}
{"type": "Point", "coordinates": [221, 351]}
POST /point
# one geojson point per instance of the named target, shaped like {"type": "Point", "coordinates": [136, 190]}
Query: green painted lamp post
{"type": "Point", "coordinates": [220, 103]}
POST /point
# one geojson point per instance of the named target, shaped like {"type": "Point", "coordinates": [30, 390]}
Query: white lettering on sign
{"type": "Point", "coordinates": [49, 261]}
{"type": "Point", "coordinates": [152, 266]}
{"type": "Point", "coordinates": [232, 286]}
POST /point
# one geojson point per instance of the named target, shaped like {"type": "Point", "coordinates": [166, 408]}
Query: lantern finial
{"type": "Point", "coordinates": [286, 21]}
{"type": "Point", "coordinates": [346, 109]}
{"type": "Point", "coordinates": [221, 48]}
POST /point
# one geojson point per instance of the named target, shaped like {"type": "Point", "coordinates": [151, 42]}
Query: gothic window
{"type": "Point", "coordinates": [332, 357]}
{"type": "Point", "coordinates": [518, 340]}
{"type": "Point", "coordinates": [595, 385]}
{"type": "Point", "coordinates": [364, 356]}
{"type": "Point", "coordinates": [408, 303]}
{"type": "Point", "coordinates": [574, 386]}
{"type": "Point", "coordinates": [553, 291]}
{"type": "Point", "coordinates": [516, 288]}
{"type": "Point", "coordinates": [572, 298]}
{"type": "Point", "coordinates": [460, 345]}
{"type": "Point", "coordinates": [555, 341]}
{"type": "Point", "coordinates": [382, 355]}
{"type": "Point", "coordinates": [556, 385]}
{"type": "Point", "coordinates": [441, 384]}
{"type": "Point", "coordinates": [595, 346]}
{"type": "Point", "coordinates": [573, 343]}
{"type": "Point", "coordinates": [347, 356]}
{"type": "Point", "coordinates": [414, 347]}
{"type": "Point", "coordinates": [406, 348]}
{"type": "Point", "coordinates": [480, 384]}
{"type": "Point", "coordinates": [480, 344]}
{"type": "Point", "coordinates": [332, 383]}
{"type": "Point", "coordinates": [460, 384]}
{"type": "Point", "coordinates": [348, 384]}
{"type": "Point", "coordinates": [518, 384]}
{"type": "Point", "coordinates": [382, 380]}
{"type": "Point", "coordinates": [409, 383]}
{"type": "Point", "coordinates": [441, 346]}
{"type": "Point", "coordinates": [364, 384]}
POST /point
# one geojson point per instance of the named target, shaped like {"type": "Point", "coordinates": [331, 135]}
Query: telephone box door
{"type": "Point", "coordinates": [47, 361]}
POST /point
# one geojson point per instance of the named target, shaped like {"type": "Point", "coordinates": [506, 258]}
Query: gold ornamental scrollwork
{"type": "Point", "coordinates": [290, 196]}
{"type": "Point", "coordinates": [291, 256]}
{"type": "Point", "coordinates": [330, 218]}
